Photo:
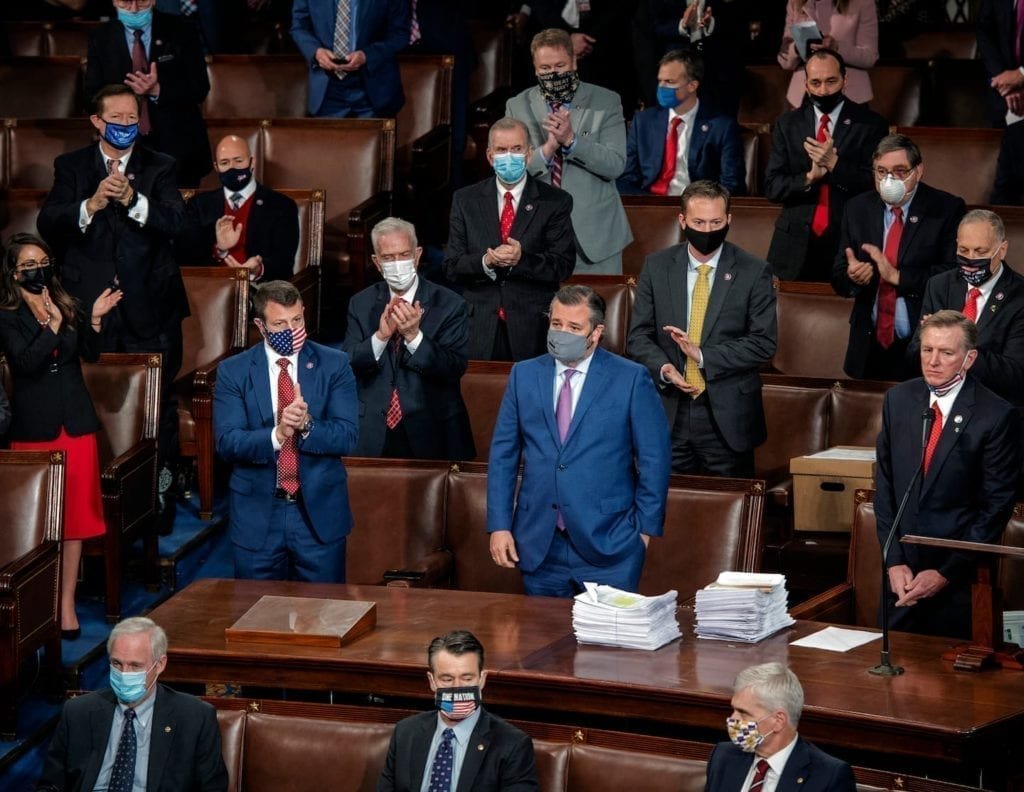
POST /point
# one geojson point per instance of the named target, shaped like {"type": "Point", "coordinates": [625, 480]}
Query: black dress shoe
{"type": "Point", "coordinates": [71, 635]}
{"type": "Point", "coordinates": [166, 511]}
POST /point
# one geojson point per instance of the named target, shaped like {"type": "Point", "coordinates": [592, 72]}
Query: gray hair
{"type": "Point", "coordinates": [507, 125]}
{"type": "Point", "coordinates": [775, 687]}
{"type": "Point", "coordinates": [136, 625]}
{"type": "Point", "coordinates": [393, 225]}
{"type": "Point", "coordinates": [985, 216]}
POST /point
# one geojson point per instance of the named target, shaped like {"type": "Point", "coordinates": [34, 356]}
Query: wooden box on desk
{"type": "Point", "coordinates": [824, 483]}
{"type": "Point", "coordinates": [304, 621]}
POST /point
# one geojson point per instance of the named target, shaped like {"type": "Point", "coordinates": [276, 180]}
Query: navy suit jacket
{"type": "Point", "coordinates": [243, 419]}
{"type": "Point", "coordinates": [433, 413]}
{"type": "Point", "coordinates": [609, 478]}
{"type": "Point", "coordinates": [184, 748]}
{"type": "Point", "coordinates": [715, 151]}
{"type": "Point", "coordinates": [500, 757]}
{"type": "Point", "coordinates": [995, 29]}
{"type": "Point", "coordinates": [808, 769]}
{"type": "Point", "coordinates": [382, 31]}
{"type": "Point", "coordinates": [927, 248]}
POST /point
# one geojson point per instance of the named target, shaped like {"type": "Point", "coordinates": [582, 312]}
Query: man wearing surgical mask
{"type": "Point", "coordinates": [436, 749]}
{"type": "Point", "coordinates": [956, 447]}
{"type": "Point", "coordinates": [764, 752]}
{"type": "Point", "coordinates": [595, 453]}
{"type": "Point", "coordinates": [892, 240]}
{"type": "Point", "coordinates": [138, 734]}
{"type": "Point", "coordinates": [407, 339]}
{"type": "Point", "coordinates": [510, 244]}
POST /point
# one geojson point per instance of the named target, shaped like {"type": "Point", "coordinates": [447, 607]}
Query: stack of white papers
{"type": "Point", "coordinates": [742, 606]}
{"type": "Point", "coordinates": [612, 617]}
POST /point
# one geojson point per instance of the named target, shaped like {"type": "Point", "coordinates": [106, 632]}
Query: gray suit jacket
{"type": "Point", "coordinates": [738, 338]}
{"type": "Point", "coordinates": [589, 173]}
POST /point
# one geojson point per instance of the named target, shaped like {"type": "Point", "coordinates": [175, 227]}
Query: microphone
{"type": "Point", "coordinates": [885, 666]}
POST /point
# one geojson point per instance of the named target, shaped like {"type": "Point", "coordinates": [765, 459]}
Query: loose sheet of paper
{"type": "Point", "coordinates": [836, 639]}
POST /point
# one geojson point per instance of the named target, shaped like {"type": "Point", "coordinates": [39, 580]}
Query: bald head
{"type": "Point", "coordinates": [232, 152]}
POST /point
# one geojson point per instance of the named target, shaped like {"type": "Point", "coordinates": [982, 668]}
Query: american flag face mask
{"type": "Point", "coordinates": [457, 703]}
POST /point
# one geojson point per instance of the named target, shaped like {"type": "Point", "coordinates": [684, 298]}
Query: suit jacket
{"type": "Point", "coordinates": [243, 419]}
{"type": "Point", "coordinates": [542, 226]}
{"type": "Point", "coordinates": [49, 392]}
{"type": "Point", "coordinates": [970, 488]}
{"type": "Point", "coordinates": [504, 762]}
{"type": "Point", "coordinates": [272, 231]}
{"type": "Point", "coordinates": [856, 35]}
{"type": "Point", "coordinates": [113, 244]}
{"type": "Point", "coordinates": [855, 133]}
{"type": "Point", "coordinates": [184, 749]}
{"type": "Point", "coordinates": [927, 247]}
{"type": "Point", "coordinates": [177, 122]}
{"type": "Point", "coordinates": [383, 31]}
{"type": "Point", "coordinates": [433, 413]}
{"type": "Point", "coordinates": [739, 336]}
{"type": "Point", "coordinates": [715, 151]}
{"type": "Point", "coordinates": [609, 478]}
{"type": "Point", "coordinates": [808, 769]}
{"type": "Point", "coordinates": [996, 28]}
{"type": "Point", "coordinates": [1000, 363]}
{"type": "Point", "coordinates": [589, 172]}
{"type": "Point", "coordinates": [1008, 189]}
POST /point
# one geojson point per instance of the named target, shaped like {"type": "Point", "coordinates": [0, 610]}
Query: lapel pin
{"type": "Point", "coordinates": [728, 276]}
{"type": "Point", "coordinates": [159, 43]}
{"type": "Point", "coordinates": [167, 729]}
{"type": "Point", "coordinates": [992, 309]}
{"type": "Point", "coordinates": [131, 177]}
{"type": "Point", "coordinates": [846, 121]}
{"type": "Point", "coordinates": [259, 202]}
{"type": "Point", "coordinates": [480, 746]}
{"type": "Point", "coordinates": [913, 218]}
{"type": "Point", "coordinates": [703, 127]}
{"type": "Point", "coordinates": [799, 780]}
{"type": "Point", "coordinates": [309, 364]}
{"type": "Point", "coordinates": [958, 419]}
{"type": "Point", "coordinates": [529, 207]}
{"type": "Point", "coordinates": [999, 296]}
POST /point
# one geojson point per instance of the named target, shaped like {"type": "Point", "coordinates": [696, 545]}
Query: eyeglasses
{"type": "Point", "coordinates": [31, 264]}
{"type": "Point", "coordinates": [127, 4]}
{"type": "Point", "coordinates": [387, 258]}
{"type": "Point", "coordinates": [899, 172]}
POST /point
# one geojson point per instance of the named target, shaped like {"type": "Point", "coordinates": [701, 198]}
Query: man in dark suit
{"type": "Point", "coordinates": [351, 47]}
{"type": "Point", "coordinates": [243, 224]}
{"type": "Point", "coordinates": [820, 158]}
{"type": "Point", "coordinates": [110, 217]}
{"type": "Point", "coordinates": [100, 738]}
{"type": "Point", "coordinates": [1008, 189]}
{"type": "Point", "coordinates": [593, 444]}
{"type": "Point", "coordinates": [407, 338]}
{"type": "Point", "coordinates": [510, 243]}
{"type": "Point", "coordinates": [160, 58]}
{"type": "Point", "coordinates": [892, 240]}
{"type": "Point", "coordinates": [969, 456]}
{"type": "Point", "coordinates": [284, 412]}
{"type": "Point", "coordinates": [984, 289]}
{"type": "Point", "coordinates": [764, 748]}
{"type": "Point", "coordinates": [461, 746]}
{"type": "Point", "coordinates": [683, 139]}
{"type": "Point", "coordinates": [999, 31]}
{"type": "Point", "coordinates": [703, 324]}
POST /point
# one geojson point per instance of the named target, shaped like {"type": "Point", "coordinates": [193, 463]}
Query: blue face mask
{"type": "Point", "coordinates": [120, 136]}
{"type": "Point", "coordinates": [667, 97]}
{"type": "Point", "coordinates": [128, 686]}
{"type": "Point", "coordinates": [134, 20]}
{"type": "Point", "coordinates": [510, 167]}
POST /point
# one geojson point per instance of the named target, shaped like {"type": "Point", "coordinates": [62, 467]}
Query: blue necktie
{"type": "Point", "coordinates": [122, 777]}
{"type": "Point", "coordinates": [441, 770]}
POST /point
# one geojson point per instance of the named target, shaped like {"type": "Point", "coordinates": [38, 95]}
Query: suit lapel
{"type": "Point", "coordinates": [100, 721]}
{"type": "Point", "coordinates": [476, 752]}
{"type": "Point", "coordinates": [259, 377]}
{"type": "Point", "coordinates": [675, 301]}
{"type": "Point", "coordinates": [842, 126]}
{"type": "Point", "coordinates": [161, 738]}
{"type": "Point", "coordinates": [545, 384]}
{"type": "Point", "coordinates": [655, 134]}
{"type": "Point", "coordinates": [420, 749]}
{"type": "Point", "coordinates": [594, 384]}
{"type": "Point", "coordinates": [798, 768]}
{"type": "Point", "coordinates": [489, 208]}
{"type": "Point", "coordinates": [919, 207]}
{"type": "Point", "coordinates": [953, 426]}
{"type": "Point", "coordinates": [697, 137]}
{"type": "Point", "coordinates": [724, 277]}
{"type": "Point", "coordinates": [527, 209]}
{"type": "Point", "coordinates": [996, 300]}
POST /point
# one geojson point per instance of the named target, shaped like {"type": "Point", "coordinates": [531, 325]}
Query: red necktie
{"type": "Point", "coordinates": [885, 322]}
{"type": "Point", "coordinates": [933, 438]}
{"type": "Point", "coordinates": [759, 775]}
{"type": "Point", "coordinates": [414, 33]}
{"type": "Point", "coordinates": [288, 458]}
{"type": "Point", "coordinates": [508, 216]}
{"type": "Point", "coordinates": [971, 304]}
{"type": "Point", "coordinates": [394, 413]}
{"type": "Point", "coordinates": [140, 63]}
{"type": "Point", "coordinates": [668, 164]}
{"type": "Point", "coordinates": [556, 163]}
{"type": "Point", "coordinates": [819, 225]}
{"type": "Point", "coordinates": [113, 166]}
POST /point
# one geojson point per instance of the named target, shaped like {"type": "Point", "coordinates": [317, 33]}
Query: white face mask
{"type": "Point", "coordinates": [892, 190]}
{"type": "Point", "coordinates": [399, 274]}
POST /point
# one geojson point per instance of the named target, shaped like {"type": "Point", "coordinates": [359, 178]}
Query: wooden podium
{"type": "Point", "coordinates": [987, 648]}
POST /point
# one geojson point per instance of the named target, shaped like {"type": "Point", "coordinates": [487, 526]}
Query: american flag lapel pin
{"type": "Point", "coordinates": [999, 295]}
{"type": "Point", "coordinates": [703, 127]}
{"type": "Point", "coordinates": [529, 207]}
{"type": "Point", "coordinates": [309, 364]}
{"type": "Point", "coordinates": [913, 218]}
{"type": "Point", "coordinates": [957, 420]}
{"type": "Point", "coordinates": [727, 276]}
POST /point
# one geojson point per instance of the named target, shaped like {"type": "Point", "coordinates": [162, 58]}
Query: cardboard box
{"type": "Point", "coordinates": [824, 484]}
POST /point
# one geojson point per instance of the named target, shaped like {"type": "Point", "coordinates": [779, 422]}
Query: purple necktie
{"type": "Point", "coordinates": [563, 413]}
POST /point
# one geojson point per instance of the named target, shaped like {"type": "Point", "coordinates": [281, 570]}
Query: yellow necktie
{"type": "Point", "coordinates": [698, 307]}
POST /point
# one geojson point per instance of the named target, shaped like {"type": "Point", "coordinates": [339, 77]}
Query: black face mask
{"type": "Point", "coordinates": [559, 86]}
{"type": "Point", "coordinates": [705, 242]}
{"type": "Point", "coordinates": [35, 280]}
{"type": "Point", "coordinates": [828, 103]}
{"type": "Point", "coordinates": [235, 178]}
{"type": "Point", "coordinates": [979, 270]}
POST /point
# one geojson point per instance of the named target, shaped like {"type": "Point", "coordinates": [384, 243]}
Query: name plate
{"type": "Point", "coordinates": [303, 621]}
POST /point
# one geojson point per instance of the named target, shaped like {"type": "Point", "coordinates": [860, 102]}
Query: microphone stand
{"type": "Point", "coordinates": [885, 667]}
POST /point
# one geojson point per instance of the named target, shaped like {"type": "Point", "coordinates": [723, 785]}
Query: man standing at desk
{"type": "Point", "coordinates": [461, 746]}
{"type": "Point", "coordinates": [968, 451]}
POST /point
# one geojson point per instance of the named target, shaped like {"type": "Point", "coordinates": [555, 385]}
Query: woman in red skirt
{"type": "Point", "coordinates": [42, 334]}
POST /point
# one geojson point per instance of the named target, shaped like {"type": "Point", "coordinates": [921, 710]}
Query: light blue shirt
{"type": "Point", "coordinates": [143, 730]}
{"type": "Point", "coordinates": [902, 317]}
{"type": "Point", "coordinates": [147, 38]}
{"type": "Point", "coordinates": [463, 731]}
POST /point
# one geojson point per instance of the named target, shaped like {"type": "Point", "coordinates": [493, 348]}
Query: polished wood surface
{"type": "Point", "coordinates": [533, 661]}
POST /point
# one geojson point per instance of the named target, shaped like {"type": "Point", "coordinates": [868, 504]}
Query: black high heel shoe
{"type": "Point", "coordinates": [71, 635]}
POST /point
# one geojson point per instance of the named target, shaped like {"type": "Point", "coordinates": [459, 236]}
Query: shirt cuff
{"type": "Point", "coordinates": [377, 346]}
{"type": "Point", "coordinates": [413, 345]}
{"type": "Point", "coordinates": [140, 212]}
{"type": "Point", "coordinates": [273, 439]}
{"type": "Point", "coordinates": [84, 218]}
{"type": "Point", "coordinates": [488, 271]}
{"type": "Point", "coordinates": [572, 148]}
{"type": "Point", "coordinates": [525, 9]}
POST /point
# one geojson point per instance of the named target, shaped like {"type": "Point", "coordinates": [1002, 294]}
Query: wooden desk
{"type": "Point", "coordinates": [931, 712]}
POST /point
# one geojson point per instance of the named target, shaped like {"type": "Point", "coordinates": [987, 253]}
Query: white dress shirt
{"type": "Point", "coordinates": [139, 213]}
{"type": "Point", "coordinates": [274, 371]}
{"type": "Point", "coordinates": [776, 764]}
{"type": "Point", "coordinates": [575, 382]}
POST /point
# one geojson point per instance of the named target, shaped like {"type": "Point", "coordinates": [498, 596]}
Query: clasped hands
{"type": "Point", "coordinates": [823, 155]}
{"type": "Point", "coordinates": [692, 21]}
{"type": "Point", "coordinates": [861, 272]}
{"type": "Point", "coordinates": [293, 417]}
{"type": "Point", "coordinates": [910, 588]}
{"type": "Point", "coordinates": [354, 62]}
{"type": "Point", "coordinates": [229, 231]}
{"type": "Point", "coordinates": [505, 255]}
{"type": "Point", "coordinates": [1010, 85]}
{"type": "Point", "coordinates": [115, 187]}
{"type": "Point", "coordinates": [558, 125]}
{"type": "Point", "coordinates": [691, 350]}
{"type": "Point", "coordinates": [399, 317]}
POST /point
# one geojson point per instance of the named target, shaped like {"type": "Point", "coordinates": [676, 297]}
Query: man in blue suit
{"type": "Point", "coordinates": [283, 413]}
{"type": "Point", "coordinates": [594, 444]}
{"type": "Point", "coordinates": [351, 47]}
{"type": "Point", "coordinates": [764, 750]}
{"type": "Point", "coordinates": [682, 140]}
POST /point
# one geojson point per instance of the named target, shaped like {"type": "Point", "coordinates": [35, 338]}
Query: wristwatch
{"type": "Point", "coordinates": [306, 428]}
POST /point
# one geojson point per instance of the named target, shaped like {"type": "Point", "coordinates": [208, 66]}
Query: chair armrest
{"type": "Point", "coordinates": [430, 570]}
{"type": "Point", "coordinates": [780, 491]}
{"type": "Point", "coordinates": [488, 109]}
{"type": "Point", "coordinates": [204, 377]}
{"type": "Point", "coordinates": [833, 605]}
{"type": "Point", "coordinates": [431, 159]}
{"type": "Point", "coordinates": [131, 460]}
{"type": "Point", "coordinates": [36, 557]}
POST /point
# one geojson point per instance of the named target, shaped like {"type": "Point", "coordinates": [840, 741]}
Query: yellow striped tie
{"type": "Point", "coordinates": [698, 307]}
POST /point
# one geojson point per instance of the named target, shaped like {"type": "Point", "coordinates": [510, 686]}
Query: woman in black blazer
{"type": "Point", "coordinates": [42, 335]}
